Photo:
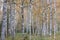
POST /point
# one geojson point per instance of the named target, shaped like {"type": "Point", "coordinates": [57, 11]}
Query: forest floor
{"type": "Point", "coordinates": [20, 36]}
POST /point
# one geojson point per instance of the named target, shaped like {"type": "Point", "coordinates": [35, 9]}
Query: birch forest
{"type": "Point", "coordinates": [29, 19]}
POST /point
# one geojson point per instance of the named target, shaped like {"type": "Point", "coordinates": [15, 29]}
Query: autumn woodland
{"type": "Point", "coordinates": [29, 19]}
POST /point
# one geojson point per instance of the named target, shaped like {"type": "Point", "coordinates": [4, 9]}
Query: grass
{"type": "Point", "coordinates": [20, 36]}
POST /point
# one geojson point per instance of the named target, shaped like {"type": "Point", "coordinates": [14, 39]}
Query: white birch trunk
{"type": "Point", "coordinates": [47, 17]}
{"type": "Point", "coordinates": [32, 24]}
{"type": "Point", "coordinates": [4, 23]}
{"type": "Point", "coordinates": [50, 17]}
{"type": "Point", "coordinates": [43, 20]}
{"type": "Point", "coordinates": [37, 25]}
{"type": "Point", "coordinates": [55, 25]}
{"type": "Point", "coordinates": [22, 12]}
{"type": "Point", "coordinates": [12, 19]}
{"type": "Point", "coordinates": [29, 17]}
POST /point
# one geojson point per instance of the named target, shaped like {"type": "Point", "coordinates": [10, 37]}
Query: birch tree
{"type": "Point", "coordinates": [55, 25]}
{"type": "Point", "coordinates": [27, 20]}
{"type": "Point", "coordinates": [43, 20]}
{"type": "Point", "coordinates": [4, 23]}
{"type": "Point", "coordinates": [32, 19]}
{"type": "Point", "coordinates": [1, 13]}
{"type": "Point", "coordinates": [12, 19]}
{"type": "Point", "coordinates": [50, 2]}
{"type": "Point", "coordinates": [29, 17]}
{"type": "Point", "coordinates": [32, 23]}
{"type": "Point", "coordinates": [22, 12]}
{"type": "Point", "coordinates": [37, 24]}
{"type": "Point", "coordinates": [47, 16]}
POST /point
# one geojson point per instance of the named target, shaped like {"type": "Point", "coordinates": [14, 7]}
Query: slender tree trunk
{"type": "Point", "coordinates": [51, 17]}
{"type": "Point", "coordinates": [32, 23]}
{"type": "Point", "coordinates": [42, 16]}
{"type": "Point", "coordinates": [55, 25]}
{"type": "Point", "coordinates": [8, 12]}
{"type": "Point", "coordinates": [37, 25]}
{"type": "Point", "coordinates": [43, 20]}
{"type": "Point", "coordinates": [47, 17]}
{"type": "Point", "coordinates": [29, 17]}
{"type": "Point", "coordinates": [12, 19]}
{"type": "Point", "coordinates": [4, 23]}
{"type": "Point", "coordinates": [22, 12]}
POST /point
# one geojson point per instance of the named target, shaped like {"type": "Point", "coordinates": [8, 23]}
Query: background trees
{"type": "Point", "coordinates": [30, 17]}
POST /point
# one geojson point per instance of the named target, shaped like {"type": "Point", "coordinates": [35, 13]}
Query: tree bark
{"type": "Point", "coordinates": [55, 23]}
{"type": "Point", "coordinates": [22, 12]}
{"type": "Point", "coordinates": [12, 19]}
{"type": "Point", "coordinates": [51, 18]}
{"type": "Point", "coordinates": [4, 22]}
